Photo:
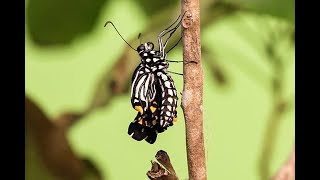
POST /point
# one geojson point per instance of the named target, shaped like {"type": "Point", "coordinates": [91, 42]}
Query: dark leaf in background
{"type": "Point", "coordinates": [58, 22]}
{"type": "Point", "coordinates": [282, 9]}
{"type": "Point", "coordinates": [152, 7]}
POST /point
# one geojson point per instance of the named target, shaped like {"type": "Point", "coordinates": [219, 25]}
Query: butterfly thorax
{"type": "Point", "coordinates": [154, 62]}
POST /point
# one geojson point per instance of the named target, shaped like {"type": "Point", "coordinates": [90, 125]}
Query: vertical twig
{"type": "Point", "coordinates": [193, 89]}
{"type": "Point", "coordinates": [280, 104]}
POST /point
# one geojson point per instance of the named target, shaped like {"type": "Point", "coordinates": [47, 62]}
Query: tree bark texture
{"type": "Point", "coordinates": [193, 89]}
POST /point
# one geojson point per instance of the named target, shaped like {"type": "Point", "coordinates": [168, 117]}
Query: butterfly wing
{"type": "Point", "coordinates": [143, 90]}
{"type": "Point", "coordinates": [169, 98]}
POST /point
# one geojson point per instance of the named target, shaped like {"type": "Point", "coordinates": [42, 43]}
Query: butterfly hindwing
{"type": "Point", "coordinates": [169, 98]}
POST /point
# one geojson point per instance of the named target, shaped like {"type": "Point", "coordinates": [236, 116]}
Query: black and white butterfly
{"type": "Point", "coordinates": [153, 93]}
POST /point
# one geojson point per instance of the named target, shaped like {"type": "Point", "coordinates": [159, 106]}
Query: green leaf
{"type": "Point", "coordinates": [56, 22]}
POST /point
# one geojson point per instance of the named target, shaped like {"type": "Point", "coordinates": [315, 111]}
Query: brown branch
{"type": "Point", "coordinates": [67, 119]}
{"type": "Point", "coordinates": [287, 171]}
{"type": "Point", "coordinates": [193, 89]}
{"type": "Point", "coordinates": [52, 147]}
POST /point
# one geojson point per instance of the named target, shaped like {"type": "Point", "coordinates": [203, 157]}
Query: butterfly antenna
{"type": "Point", "coordinates": [174, 45]}
{"type": "Point", "coordinates": [139, 37]}
{"type": "Point", "coordinates": [118, 33]}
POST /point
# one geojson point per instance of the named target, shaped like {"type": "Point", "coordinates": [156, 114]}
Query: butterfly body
{"type": "Point", "coordinates": [153, 95]}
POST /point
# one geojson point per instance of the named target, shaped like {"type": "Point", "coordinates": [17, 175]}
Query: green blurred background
{"type": "Point", "coordinates": [248, 60]}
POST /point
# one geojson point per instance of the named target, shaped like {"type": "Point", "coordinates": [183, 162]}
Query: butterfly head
{"type": "Point", "coordinates": [145, 48]}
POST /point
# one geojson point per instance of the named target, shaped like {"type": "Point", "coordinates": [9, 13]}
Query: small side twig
{"type": "Point", "coordinates": [165, 171]}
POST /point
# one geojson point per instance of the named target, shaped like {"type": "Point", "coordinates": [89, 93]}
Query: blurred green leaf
{"type": "Point", "coordinates": [284, 9]}
{"type": "Point", "coordinates": [56, 22]}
